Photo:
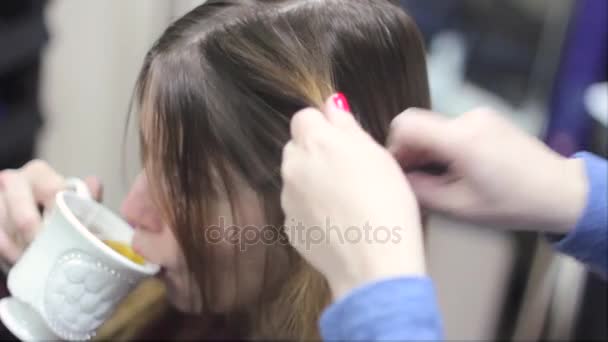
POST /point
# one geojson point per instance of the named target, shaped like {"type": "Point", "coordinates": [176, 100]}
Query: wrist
{"type": "Point", "coordinates": [403, 255]}
{"type": "Point", "coordinates": [395, 268]}
{"type": "Point", "coordinates": [567, 202]}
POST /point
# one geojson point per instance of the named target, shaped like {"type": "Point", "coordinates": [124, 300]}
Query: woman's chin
{"type": "Point", "coordinates": [177, 297]}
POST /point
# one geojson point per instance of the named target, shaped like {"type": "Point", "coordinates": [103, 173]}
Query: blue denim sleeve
{"type": "Point", "coordinates": [397, 309]}
{"type": "Point", "coordinates": [588, 241]}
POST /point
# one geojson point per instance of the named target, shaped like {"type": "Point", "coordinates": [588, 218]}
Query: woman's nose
{"type": "Point", "coordinates": [139, 210]}
{"type": "Point", "coordinates": [140, 216]}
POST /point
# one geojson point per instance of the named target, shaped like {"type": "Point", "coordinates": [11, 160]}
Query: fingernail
{"type": "Point", "coordinates": [341, 102]}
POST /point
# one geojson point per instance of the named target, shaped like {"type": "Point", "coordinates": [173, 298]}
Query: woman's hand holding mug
{"type": "Point", "coordinates": [22, 193]}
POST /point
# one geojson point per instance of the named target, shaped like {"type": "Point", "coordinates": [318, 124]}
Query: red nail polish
{"type": "Point", "coordinates": [341, 102]}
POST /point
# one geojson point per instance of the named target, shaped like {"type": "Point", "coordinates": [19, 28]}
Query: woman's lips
{"type": "Point", "coordinates": [140, 252]}
{"type": "Point", "coordinates": [161, 273]}
{"type": "Point", "coordinates": [135, 245]}
{"type": "Point", "coordinates": [137, 250]}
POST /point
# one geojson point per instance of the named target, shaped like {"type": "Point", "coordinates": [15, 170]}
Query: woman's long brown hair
{"type": "Point", "coordinates": [219, 88]}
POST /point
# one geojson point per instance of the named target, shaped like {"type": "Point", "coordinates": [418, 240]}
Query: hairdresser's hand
{"type": "Point", "coordinates": [22, 193]}
{"type": "Point", "coordinates": [356, 219]}
{"type": "Point", "coordinates": [496, 174]}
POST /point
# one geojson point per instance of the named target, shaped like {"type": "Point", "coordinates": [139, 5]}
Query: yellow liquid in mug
{"type": "Point", "coordinates": [126, 251]}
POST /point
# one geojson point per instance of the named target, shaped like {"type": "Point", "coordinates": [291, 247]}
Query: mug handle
{"type": "Point", "coordinates": [79, 187]}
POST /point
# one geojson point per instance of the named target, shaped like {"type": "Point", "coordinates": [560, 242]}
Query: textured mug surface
{"type": "Point", "coordinates": [80, 294]}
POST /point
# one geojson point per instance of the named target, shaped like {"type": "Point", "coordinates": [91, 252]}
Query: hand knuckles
{"type": "Point", "coordinates": [482, 116]}
{"type": "Point", "coordinates": [8, 173]}
{"type": "Point", "coordinates": [285, 170]}
{"type": "Point", "coordinates": [37, 165]}
{"type": "Point", "coordinates": [288, 150]}
{"type": "Point", "coordinates": [301, 118]}
{"type": "Point", "coordinates": [397, 122]}
{"type": "Point", "coordinates": [285, 200]}
{"type": "Point", "coordinates": [288, 170]}
{"type": "Point", "coordinates": [7, 177]}
{"type": "Point", "coordinates": [297, 119]}
{"type": "Point", "coordinates": [471, 127]}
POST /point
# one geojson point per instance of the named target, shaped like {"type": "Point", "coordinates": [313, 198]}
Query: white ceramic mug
{"type": "Point", "coordinates": [68, 281]}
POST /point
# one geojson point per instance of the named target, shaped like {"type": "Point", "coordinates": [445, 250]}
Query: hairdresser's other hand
{"type": "Point", "coordinates": [497, 174]}
{"type": "Point", "coordinates": [349, 209]}
{"type": "Point", "coordinates": [22, 192]}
